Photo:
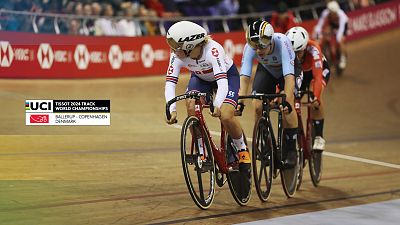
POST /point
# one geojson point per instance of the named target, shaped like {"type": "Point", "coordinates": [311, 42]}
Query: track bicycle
{"type": "Point", "coordinates": [267, 155]}
{"type": "Point", "coordinates": [305, 140]}
{"type": "Point", "coordinates": [205, 164]}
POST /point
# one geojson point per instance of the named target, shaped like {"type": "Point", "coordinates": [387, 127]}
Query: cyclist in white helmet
{"type": "Point", "coordinates": [315, 77]}
{"type": "Point", "coordinates": [333, 18]}
{"type": "Point", "coordinates": [210, 69]}
{"type": "Point", "coordinates": [277, 65]}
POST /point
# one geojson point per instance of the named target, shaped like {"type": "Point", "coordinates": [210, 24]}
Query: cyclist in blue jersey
{"type": "Point", "coordinates": [277, 66]}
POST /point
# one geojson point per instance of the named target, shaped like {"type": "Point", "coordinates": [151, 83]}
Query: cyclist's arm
{"type": "Point", "coordinates": [288, 57]}
{"type": "Point", "coordinates": [317, 68]}
{"type": "Point", "coordinates": [289, 88]}
{"type": "Point", "coordinates": [217, 59]}
{"type": "Point", "coordinates": [246, 69]}
{"type": "Point", "coordinates": [342, 25]}
{"type": "Point", "coordinates": [171, 80]}
{"type": "Point", "coordinates": [321, 21]}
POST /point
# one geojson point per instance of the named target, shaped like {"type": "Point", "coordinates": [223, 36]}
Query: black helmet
{"type": "Point", "coordinates": [259, 34]}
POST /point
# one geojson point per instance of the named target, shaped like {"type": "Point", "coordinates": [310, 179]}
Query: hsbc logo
{"type": "Point", "coordinates": [45, 56]}
{"type": "Point", "coordinates": [147, 55]}
{"type": "Point", "coordinates": [6, 54]}
{"type": "Point", "coordinates": [81, 56]}
{"type": "Point", "coordinates": [115, 57]}
{"type": "Point", "coordinates": [214, 52]}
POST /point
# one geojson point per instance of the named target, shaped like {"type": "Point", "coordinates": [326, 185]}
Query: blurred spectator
{"type": "Point", "coordinates": [159, 8]}
{"type": "Point", "coordinates": [282, 19]}
{"type": "Point", "coordinates": [148, 26]}
{"type": "Point", "coordinates": [87, 27]}
{"type": "Point", "coordinates": [74, 25]}
{"type": "Point", "coordinates": [360, 3]}
{"type": "Point", "coordinates": [105, 24]}
{"type": "Point", "coordinates": [126, 27]}
{"type": "Point", "coordinates": [171, 6]}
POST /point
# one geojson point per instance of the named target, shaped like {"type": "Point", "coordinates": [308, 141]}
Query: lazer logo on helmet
{"type": "Point", "coordinates": [192, 37]}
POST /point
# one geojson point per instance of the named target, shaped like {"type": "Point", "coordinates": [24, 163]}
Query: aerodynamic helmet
{"type": "Point", "coordinates": [259, 34]}
{"type": "Point", "coordinates": [299, 38]}
{"type": "Point", "coordinates": [185, 35]}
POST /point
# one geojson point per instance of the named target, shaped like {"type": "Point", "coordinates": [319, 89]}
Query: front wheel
{"type": "Point", "coordinates": [262, 159]}
{"type": "Point", "coordinates": [197, 163]}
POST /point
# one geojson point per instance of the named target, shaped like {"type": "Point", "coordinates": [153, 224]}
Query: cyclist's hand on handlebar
{"type": "Point", "coordinates": [239, 109]}
{"type": "Point", "coordinates": [173, 118]}
{"type": "Point", "coordinates": [216, 113]}
{"type": "Point", "coordinates": [314, 101]}
{"type": "Point", "coordinates": [274, 102]}
{"type": "Point", "coordinates": [285, 107]}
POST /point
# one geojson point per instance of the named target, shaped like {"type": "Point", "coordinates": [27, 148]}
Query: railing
{"type": "Point", "coordinates": [53, 23]}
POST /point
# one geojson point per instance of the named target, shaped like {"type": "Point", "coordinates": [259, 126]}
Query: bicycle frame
{"type": "Point", "coordinates": [305, 136]}
{"type": "Point", "coordinates": [219, 152]}
{"type": "Point", "coordinates": [265, 113]}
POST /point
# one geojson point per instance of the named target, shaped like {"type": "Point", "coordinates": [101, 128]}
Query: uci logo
{"type": "Point", "coordinates": [38, 105]}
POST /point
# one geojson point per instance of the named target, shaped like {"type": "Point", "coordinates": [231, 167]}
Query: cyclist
{"type": "Point", "coordinates": [316, 77]}
{"type": "Point", "coordinates": [334, 18]}
{"type": "Point", "coordinates": [277, 65]}
{"type": "Point", "coordinates": [210, 68]}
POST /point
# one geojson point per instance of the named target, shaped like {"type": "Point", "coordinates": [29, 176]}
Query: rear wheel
{"type": "Point", "coordinates": [315, 166]}
{"type": "Point", "coordinates": [315, 160]}
{"type": "Point", "coordinates": [262, 159]}
{"type": "Point", "coordinates": [289, 176]}
{"type": "Point", "coordinates": [239, 181]}
{"type": "Point", "coordinates": [198, 166]}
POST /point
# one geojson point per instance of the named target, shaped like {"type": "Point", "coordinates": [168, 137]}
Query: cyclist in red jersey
{"type": "Point", "coordinates": [283, 19]}
{"type": "Point", "coordinates": [315, 76]}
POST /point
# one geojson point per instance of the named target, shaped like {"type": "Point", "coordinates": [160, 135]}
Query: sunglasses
{"type": "Point", "coordinates": [260, 43]}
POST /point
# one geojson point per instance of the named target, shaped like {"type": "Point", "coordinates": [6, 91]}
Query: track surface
{"type": "Point", "coordinates": [130, 173]}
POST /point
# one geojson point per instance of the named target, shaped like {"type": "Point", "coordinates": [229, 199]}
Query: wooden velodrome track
{"type": "Point", "coordinates": [130, 172]}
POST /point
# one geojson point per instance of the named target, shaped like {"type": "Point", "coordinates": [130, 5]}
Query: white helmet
{"type": "Point", "coordinates": [185, 35]}
{"type": "Point", "coordinates": [333, 6]}
{"type": "Point", "coordinates": [299, 38]}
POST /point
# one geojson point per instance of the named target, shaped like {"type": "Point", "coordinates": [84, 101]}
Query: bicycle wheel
{"type": "Point", "coordinates": [315, 161]}
{"type": "Point", "coordinates": [301, 143]}
{"type": "Point", "coordinates": [198, 167]}
{"type": "Point", "coordinates": [315, 166]}
{"type": "Point", "coordinates": [301, 169]}
{"type": "Point", "coordinates": [262, 159]}
{"type": "Point", "coordinates": [289, 176]}
{"type": "Point", "coordinates": [239, 181]}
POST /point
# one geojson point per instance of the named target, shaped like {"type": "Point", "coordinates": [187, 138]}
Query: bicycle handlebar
{"type": "Point", "coordinates": [264, 97]}
{"type": "Point", "coordinates": [193, 95]}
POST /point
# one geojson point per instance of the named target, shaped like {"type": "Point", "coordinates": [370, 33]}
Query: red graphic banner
{"type": "Point", "coordinates": [28, 55]}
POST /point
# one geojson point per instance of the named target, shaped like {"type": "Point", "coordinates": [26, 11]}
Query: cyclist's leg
{"type": "Point", "coordinates": [230, 122]}
{"type": "Point", "coordinates": [318, 114]}
{"type": "Point", "coordinates": [290, 122]}
{"type": "Point", "coordinates": [196, 84]}
{"type": "Point", "coordinates": [265, 83]}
